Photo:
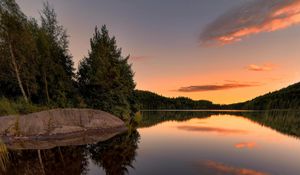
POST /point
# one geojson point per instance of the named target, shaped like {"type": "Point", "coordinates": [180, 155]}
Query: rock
{"type": "Point", "coordinates": [59, 124]}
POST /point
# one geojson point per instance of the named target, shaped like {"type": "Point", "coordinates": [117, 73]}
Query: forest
{"type": "Point", "coordinates": [37, 70]}
{"type": "Point", "coordinates": [286, 98]}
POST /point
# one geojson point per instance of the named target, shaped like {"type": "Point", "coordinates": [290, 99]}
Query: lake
{"type": "Point", "coordinates": [179, 142]}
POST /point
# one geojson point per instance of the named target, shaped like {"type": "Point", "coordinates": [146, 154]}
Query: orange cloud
{"type": "Point", "coordinates": [211, 87]}
{"type": "Point", "coordinates": [221, 168]}
{"type": "Point", "coordinates": [265, 67]}
{"type": "Point", "coordinates": [248, 145]}
{"type": "Point", "coordinates": [211, 129]}
{"type": "Point", "coordinates": [252, 18]}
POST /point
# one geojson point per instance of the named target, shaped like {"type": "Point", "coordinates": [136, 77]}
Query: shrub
{"type": "Point", "coordinates": [8, 107]}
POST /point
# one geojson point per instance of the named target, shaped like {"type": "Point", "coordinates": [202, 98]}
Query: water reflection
{"type": "Point", "coordinates": [115, 156]}
{"type": "Point", "coordinates": [211, 129]}
{"type": "Point", "coordinates": [151, 118]}
{"type": "Point", "coordinates": [220, 142]}
{"type": "Point", "coordinates": [174, 142]}
{"type": "Point", "coordinates": [61, 160]}
{"type": "Point", "coordinates": [213, 167]}
{"type": "Point", "coordinates": [249, 145]}
{"type": "Point", "coordinates": [287, 122]}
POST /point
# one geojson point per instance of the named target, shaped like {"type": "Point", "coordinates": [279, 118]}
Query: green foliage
{"type": "Point", "coordinates": [15, 49]}
{"type": "Point", "coordinates": [138, 117]}
{"type": "Point", "coordinates": [35, 64]}
{"type": "Point", "coordinates": [105, 78]}
{"type": "Point", "coordinates": [34, 58]}
{"type": "Point", "coordinates": [6, 107]}
{"type": "Point", "coordinates": [9, 107]}
{"type": "Point", "coordinates": [57, 70]}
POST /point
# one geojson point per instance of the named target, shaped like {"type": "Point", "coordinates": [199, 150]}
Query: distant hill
{"type": "Point", "coordinates": [150, 100]}
{"type": "Point", "coordinates": [286, 98]}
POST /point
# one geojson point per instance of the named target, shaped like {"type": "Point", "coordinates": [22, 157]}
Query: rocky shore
{"type": "Point", "coordinates": [59, 127]}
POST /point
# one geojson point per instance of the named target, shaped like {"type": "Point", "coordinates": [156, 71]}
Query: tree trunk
{"type": "Point", "coordinates": [28, 91]}
{"type": "Point", "coordinates": [46, 87]}
{"type": "Point", "coordinates": [61, 156]}
{"type": "Point", "coordinates": [15, 66]}
{"type": "Point", "coordinates": [41, 161]}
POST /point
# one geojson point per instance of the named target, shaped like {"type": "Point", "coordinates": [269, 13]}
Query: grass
{"type": "Point", "coordinates": [8, 107]}
{"type": "Point", "coordinates": [3, 156]}
{"type": "Point", "coordinates": [138, 117]}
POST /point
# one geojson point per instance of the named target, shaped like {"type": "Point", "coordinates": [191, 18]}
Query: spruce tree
{"type": "Point", "coordinates": [105, 78]}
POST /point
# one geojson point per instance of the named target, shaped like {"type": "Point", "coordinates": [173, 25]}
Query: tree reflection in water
{"type": "Point", "coordinates": [286, 122]}
{"type": "Point", "coordinates": [283, 121]}
{"type": "Point", "coordinates": [115, 156]}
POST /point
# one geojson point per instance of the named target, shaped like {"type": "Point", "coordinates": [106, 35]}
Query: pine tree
{"type": "Point", "coordinates": [105, 78]}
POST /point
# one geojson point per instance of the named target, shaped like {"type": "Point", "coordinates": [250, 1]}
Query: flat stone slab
{"type": "Point", "coordinates": [59, 127]}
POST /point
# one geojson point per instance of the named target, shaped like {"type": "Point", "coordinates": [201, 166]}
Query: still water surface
{"type": "Point", "coordinates": [183, 143]}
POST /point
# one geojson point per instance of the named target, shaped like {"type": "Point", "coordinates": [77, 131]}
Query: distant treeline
{"type": "Point", "coordinates": [37, 67]}
{"type": "Point", "coordinates": [149, 100]}
{"type": "Point", "coordinates": [287, 98]}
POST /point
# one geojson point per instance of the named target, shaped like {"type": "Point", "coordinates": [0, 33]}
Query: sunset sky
{"type": "Point", "coordinates": [225, 51]}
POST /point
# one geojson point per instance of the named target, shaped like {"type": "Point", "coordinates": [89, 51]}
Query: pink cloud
{"type": "Point", "coordinates": [215, 87]}
{"type": "Point", "coordinates": [258, 68]}
{"type": "Point", "coordinates": [252, 18]}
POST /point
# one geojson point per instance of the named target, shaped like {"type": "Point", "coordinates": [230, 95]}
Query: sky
{"type": "Point", "coordinates": [224, 51]}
